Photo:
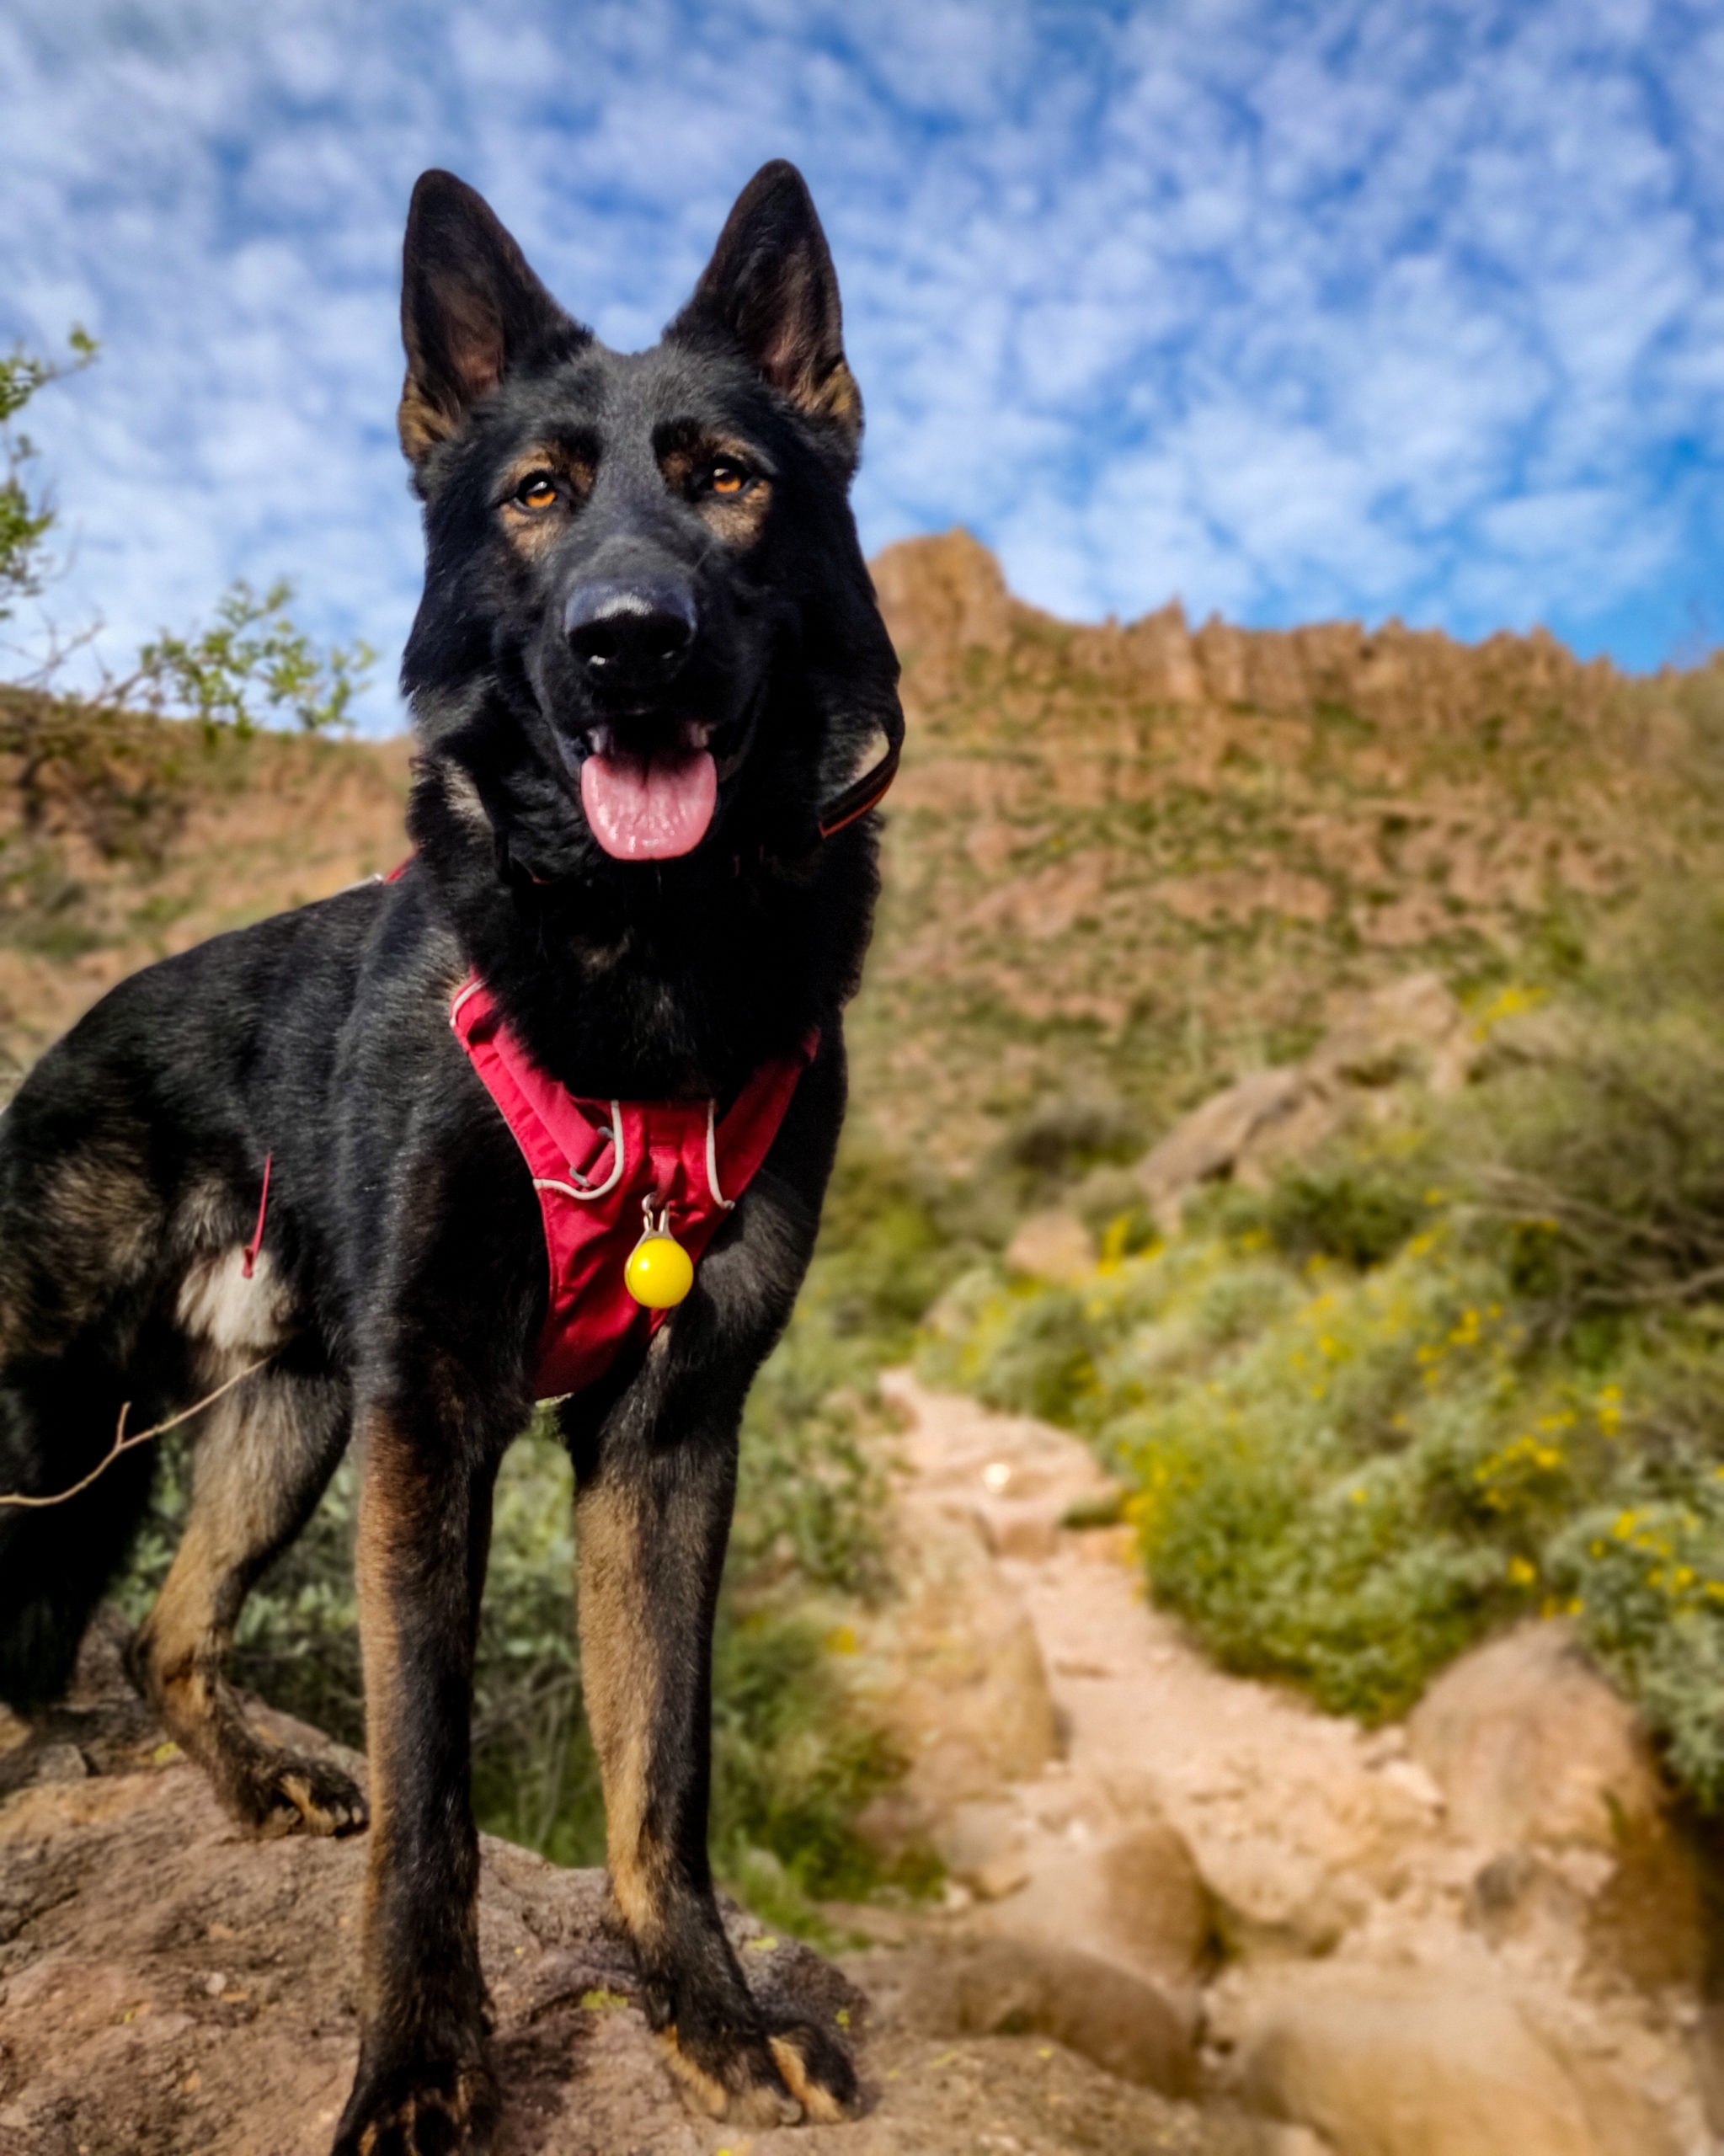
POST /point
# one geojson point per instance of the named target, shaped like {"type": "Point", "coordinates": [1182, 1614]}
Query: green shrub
{"type": "Point", "coordinates": [1360, 1210]}
{"type": "Point", "coordinates": [1339, 1477]}
{"type": "Point", "coordinates": [791, 1763]}
{"type": "Point", "coordinates": [1041, 1357]}
{"type": "Point", "coordinates": [1059, 1139]}
{"type": "Point", "coordinates": [1647, 1582]}
{"type": "Point", "coordinates": [1601, 1144]}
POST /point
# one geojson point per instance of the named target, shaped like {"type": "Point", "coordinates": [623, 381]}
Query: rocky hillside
{"type": "Point", "coordinates": [121, 840]}
{"type": "Point", "coordinates": [1129, 862]}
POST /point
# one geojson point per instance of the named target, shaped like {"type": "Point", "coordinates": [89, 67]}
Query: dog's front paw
{"type": "Point", "coordinates": [764, 2077]}
{"type": "Point", "coordinates": [818, 2070]}
{"type": "Point", "coordinates": [423, 2110]}
{"type": "Point", "coordinates": [276, 1793]}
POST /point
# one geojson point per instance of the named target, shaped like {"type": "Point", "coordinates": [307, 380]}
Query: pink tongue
{"type": "Point", "coordinates": [649, 809]}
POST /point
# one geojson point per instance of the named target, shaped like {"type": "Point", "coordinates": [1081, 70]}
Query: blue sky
{"type": "Point", "coordinates": [1294, 310]}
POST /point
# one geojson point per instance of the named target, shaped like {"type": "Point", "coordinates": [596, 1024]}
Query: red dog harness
{"type": "Point", "coordinates": [598, 1166]}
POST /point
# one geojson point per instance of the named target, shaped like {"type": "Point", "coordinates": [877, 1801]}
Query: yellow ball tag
{"type": "Point", "coordinates": [660, 1271]}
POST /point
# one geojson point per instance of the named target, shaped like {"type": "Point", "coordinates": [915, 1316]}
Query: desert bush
{"type": "Point", "coordinates": [1358, 1205]}
{"type": "Point", "coordinates": [1647, 1579]}
{"type": "Point", "coordinates": [250, 666]}
{"type": "Point", "coordinates": [1604, 1156]}
{"type": "Point", "coordinates": [27, 516]}
{"type": "Point", "coordinates": [97, 771]}
{"type": "Point", "coordinates": [1060, 1138]}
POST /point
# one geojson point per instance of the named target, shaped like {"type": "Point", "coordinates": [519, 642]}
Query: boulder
{"type": "Point", "coordinates": [1543, 1763]}
{"type": "Point", "coordinates": [1529, 1743]}
{"type": "Point", "coordinates": [1275, 2137]}
{"type": "Point", "coordinates": [1206, 1145]}
{"type": "Point", "coordinates": [170, 1988]}
{"type": "Point", "coordinates": [1413, 1031]}
{"type": "Point", "coordinates": [1032, 1987]}
{"type": "Point", "coordinates": [1526, 1894]}
{"type": "Point", "coordinates": [1385, 2066]}
{"type": "Point", "coordinates": [1411, 1028]}
{"type": "Point", "coordinates": [981, 1846]}
{"type": "Point", "coordinates": [1274, 1900]}
{"type": "Point", "coordinates": [1053, 1246]}
{"type": "Point", "coordinates": [950, 1669]}
{"type": "Point", "coordinates": [1135, 1899]}
{"type": "Point", "coordinates": [167, 1985]}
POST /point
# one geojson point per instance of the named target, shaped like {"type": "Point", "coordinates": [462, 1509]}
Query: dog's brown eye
{"type": "Point", "coordinates": [728, 479]}
{"type": "Point", "coordinates": [538, 490]}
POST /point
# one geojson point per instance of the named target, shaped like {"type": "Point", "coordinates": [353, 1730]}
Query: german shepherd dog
{"type": "Point", "coordinates": [647, 675]}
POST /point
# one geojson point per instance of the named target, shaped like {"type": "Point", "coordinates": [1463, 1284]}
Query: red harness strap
{"type": "Point", "coordinates": [595, 1163]}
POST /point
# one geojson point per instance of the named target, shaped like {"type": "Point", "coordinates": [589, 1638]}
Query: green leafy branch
{"type": "Point", "coordinates": [25, 519]}
{"type": "Point", "coordinates": [252, 663]}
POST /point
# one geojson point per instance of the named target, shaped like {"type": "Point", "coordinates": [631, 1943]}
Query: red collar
{"type": "Point", "coordinates": [597, 1163]}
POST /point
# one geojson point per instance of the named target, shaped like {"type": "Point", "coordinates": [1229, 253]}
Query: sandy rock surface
{"type": "Point", "coordinates": [1407, 2065]}
{"type": "Point", "coordinates": [1053, 1246]}
{"type": "Point", "coordinates": [168, 1986]}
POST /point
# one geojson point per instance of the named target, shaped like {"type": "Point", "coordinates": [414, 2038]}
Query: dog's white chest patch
{"type": "Point", "coordinates": [232, 1314]}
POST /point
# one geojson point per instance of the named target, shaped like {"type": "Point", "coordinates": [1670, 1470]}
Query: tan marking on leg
{"type": "Point", "coordinates": [238, 1500]}
{"type": "Point", "coordinates": [713, 2096]}
{"type": "Point", "coordinates": [821, 2106]}
{"type": "Point", "coordinates": [250, 1483]}
{"type": "Point", "coordinates": [620, 1683]}
{"type": "Point", "coordinates": [375, 1548]}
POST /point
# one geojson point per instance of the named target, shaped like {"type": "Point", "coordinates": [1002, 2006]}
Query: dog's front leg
{"type": "Point", "coordinates": [655, 1486]}
{"type": "Point", "coordinates": [423, 2084]}
{"type": "Point", "coordinates": [651, 1530]}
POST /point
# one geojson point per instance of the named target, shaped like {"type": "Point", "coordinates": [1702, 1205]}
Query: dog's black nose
{"type": "Point", "coordinates": [631, 635]}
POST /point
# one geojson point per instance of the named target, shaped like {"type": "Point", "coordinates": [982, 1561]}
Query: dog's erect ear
{"type": "Point", "coordinates": [470, 310]}
{"type": "Point", "coordinates": [771, 288]}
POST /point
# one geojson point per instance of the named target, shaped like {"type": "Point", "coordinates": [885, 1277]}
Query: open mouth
{"type": "Point", "coordinates": [650, 804]}
{"type": "Point", "coordinates": [656, 803]}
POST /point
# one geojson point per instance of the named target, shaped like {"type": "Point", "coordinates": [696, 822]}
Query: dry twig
{"type": "Point", "coordinates": [123, 1443]}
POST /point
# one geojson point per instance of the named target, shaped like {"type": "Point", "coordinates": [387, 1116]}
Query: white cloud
{"type": "Point", "coordinates": [1363, 306]}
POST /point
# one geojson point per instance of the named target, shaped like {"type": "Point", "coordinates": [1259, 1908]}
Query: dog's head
{"type": "Point", "coordinates": [648, 633]}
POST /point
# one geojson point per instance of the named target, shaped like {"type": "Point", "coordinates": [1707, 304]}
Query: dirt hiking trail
{"type": "Point", "coordinates": [1475, 1933]}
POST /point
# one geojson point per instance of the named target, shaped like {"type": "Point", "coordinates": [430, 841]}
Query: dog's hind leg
{"type": "Point", "coordinates": [263, 1457]}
